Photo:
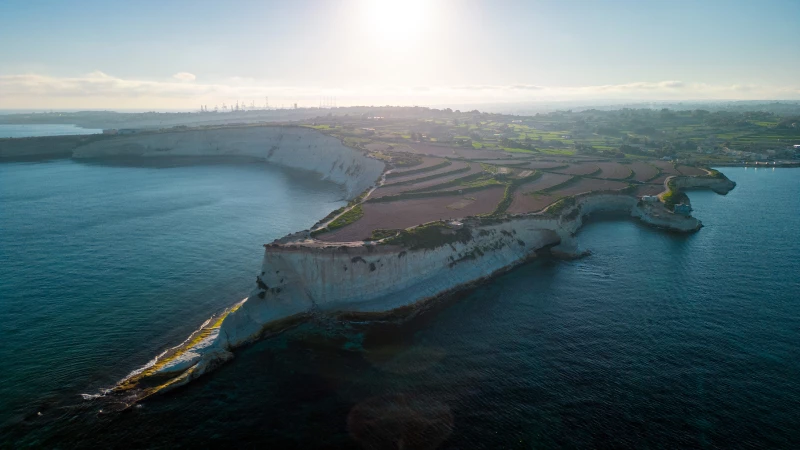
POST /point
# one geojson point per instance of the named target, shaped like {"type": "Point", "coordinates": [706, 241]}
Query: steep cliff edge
{"type": "Point", "coordinates": [288, 146]}
{"type": "Point", "coordinates": [397, 276]}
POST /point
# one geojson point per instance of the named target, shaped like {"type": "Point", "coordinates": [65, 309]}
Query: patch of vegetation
{"type": "Point", "coordinates": [511, 188]}
{"type": "Point", "coordinates": [430, 236]}
{"type": "Point", "coordinates": [379, 234]}
{"type": "Point", "coordinates": [347, 218]}
{"type": "Point", "coordinates": [561, 205]}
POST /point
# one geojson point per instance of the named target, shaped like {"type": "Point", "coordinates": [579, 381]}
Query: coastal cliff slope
{"type": "Point", "coordinates": [288, 146]}
{"type": "Point", "coordinates": [397, 276]}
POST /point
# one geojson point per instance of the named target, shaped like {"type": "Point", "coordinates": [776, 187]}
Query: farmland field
{"type": "Point", "coordinates": [579, 169]}
{"type": "Point", "coordinates": [408, 213]}
{"type": "Point", "coordinates": [530, 202]}
{"type": "Point", "coordinates": [649, 189]}
{"type": "Point", "coordinates": [613, 170]}
{"type": "Point", "coordinates": [427, 161]}
{"type": "Point", "coordinates": [588, 185]}
{"type": "Point", "coordinates": [433, 173]}
{"type": "Point", "coordinates": [643, 171]}
{"type": "Point", "coordinates": [691, 171]}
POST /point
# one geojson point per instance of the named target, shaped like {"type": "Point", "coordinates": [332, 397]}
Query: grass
{"type": "Point", "coordinates": [347, 218]}
{"type": "Point", "coordinates": [422, 170]}
{"type": "Point", "coordinates": [429, 236]}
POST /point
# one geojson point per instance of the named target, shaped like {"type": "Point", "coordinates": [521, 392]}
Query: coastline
{"type": "Point", "coordinates": [376, 281]}
{"type": "Point", "coordinates": [302, 277]}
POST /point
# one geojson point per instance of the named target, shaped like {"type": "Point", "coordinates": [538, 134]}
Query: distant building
{"type": "Point", "coordinates": [683, 209]}
{"type": "Point", "coordinates": [650, 198]}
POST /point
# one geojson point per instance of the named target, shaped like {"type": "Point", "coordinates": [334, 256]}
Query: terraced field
{"type": "Point", "coordinates": [427, 162]}
{"type": "Point", "coordinates": [649, 189]}
{"type": "Point", "coordinates": [398, 188]}
{"type": "Point", "coordinates": [643, 171]}
{"type": "Point", "coordinates": [613, 170]}
{"type": "Point", "coordinates": [588, 185]}
{"type": "Point", "coordinates": [452, 168]}
{"type": "Point", "coordinates": [579, 169]}
{"type": "Point", "coordinates": [459, 182]}
{"type": "Point", "coordinates": [691, 171]}
{"type": "Point", "coordinates": [407, 213]}
{"type": "Point", "coordinates": [546, 181]}
{"type": "Point", "coordinates": [545, 164]}
{"type": "Point", "coordinates": [666, 167]}
{"type": "Point", "coordinates": [530, 202]}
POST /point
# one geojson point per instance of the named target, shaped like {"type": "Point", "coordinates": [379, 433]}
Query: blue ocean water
{"type": "Point", "coordinates": [29, 130]}
{"type": "Point", "coordinates": [103, 266]}
{"type": "Point", "coordinates": [656, 340]}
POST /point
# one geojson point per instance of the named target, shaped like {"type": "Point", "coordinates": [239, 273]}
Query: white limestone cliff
{"type": "Point", "coordinates": [301, 276]}
{"type": "Point", "coordinates": [289, 146]}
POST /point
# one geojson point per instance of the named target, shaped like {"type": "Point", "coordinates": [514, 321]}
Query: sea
{"type": "Point", "coordinates": [30, 130]}
{"type": "Point", "coordinates": [655, 340]}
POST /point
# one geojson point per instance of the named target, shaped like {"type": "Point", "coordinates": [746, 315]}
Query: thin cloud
{"type": "Point", "coordinates": [182, 90]}
{"type": "Point", "coordinates": [184, 76]}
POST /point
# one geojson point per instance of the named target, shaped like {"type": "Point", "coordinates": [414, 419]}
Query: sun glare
{"type": "Point", "coordinates": [396, 23]}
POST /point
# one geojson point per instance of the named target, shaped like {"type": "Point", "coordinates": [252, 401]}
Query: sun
{"type": "Point", "coordinates": [396, 23]}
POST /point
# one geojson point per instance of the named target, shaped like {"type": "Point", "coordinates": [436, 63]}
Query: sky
{"type": "Point", "coordinates": [180, 54]}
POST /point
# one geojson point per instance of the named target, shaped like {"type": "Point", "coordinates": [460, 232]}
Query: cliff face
{"type": "Point", "coordinates": [300, 277]}
{"type": "Point", "coordinates": [380, 278]}
{"type": "Point", "coordinates": [720, 185]}
{"type": "Point", "coordinates": [295, 147]}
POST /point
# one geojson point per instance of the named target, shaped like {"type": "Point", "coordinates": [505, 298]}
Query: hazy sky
{"type": "Point", "coordinates": [180, 54]}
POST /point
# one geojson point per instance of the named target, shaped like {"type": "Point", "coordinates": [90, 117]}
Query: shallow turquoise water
{"type": "Point", "coordinates": [28, 130]}
{"type": "Point", "coordinates": [657, 340]}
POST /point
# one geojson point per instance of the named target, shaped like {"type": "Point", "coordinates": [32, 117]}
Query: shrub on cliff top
{"type": "Point", "coordinates": [561, 205]}
{"type": "Point", "coordinates": [347, 218]}
{"type": "Point", "coordinates": [430, 236]}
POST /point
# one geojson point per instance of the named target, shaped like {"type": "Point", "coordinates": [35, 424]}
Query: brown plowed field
{"type": "Point", "coordinates": [408, 213]}
{"type": "Point", "coordinates": [666, 167]}
{"type": "Point", "coordinates": [659, 180]}
{"type": "Point", "coordinates": [545, 164]}
{"type": "Point", "coordinates": [547, 180]}
{"type": "Point", "coordinates": [395, 189]}
{"type": "Point", "coordinates": [643, 171]}
{"type": "Point", "coordinates": [613, 170]}
{"type": "Point", "coordinates": [501, 162]}
{"type": "Point", "coordinates": [649, 189]}
{"type": "Point", "coordinates": [408, 178]}
{"type": "Point", "coordinates": [579, 169]}
{"type": "Point", "coordinates": [427, 161]}
{"type": "Point", "coordinates": [691, 171]}
{"type": "Point", "coordinates": [426, 149]}
{"type": "Point", "coordinates": [588, 185]}
{"type": "Point", "coordinates": [525, 203]}
{"type": "Point", "coordinates": [477, 154]}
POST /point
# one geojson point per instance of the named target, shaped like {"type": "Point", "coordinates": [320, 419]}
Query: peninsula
{"type": "Point", "coordinates": [426, 217]}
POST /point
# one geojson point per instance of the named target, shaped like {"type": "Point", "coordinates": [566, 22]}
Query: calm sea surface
{"type": "Point", "coordinates": [657, 340]}
{"type": "Point", "coordinates": [26, 130]}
